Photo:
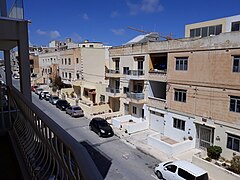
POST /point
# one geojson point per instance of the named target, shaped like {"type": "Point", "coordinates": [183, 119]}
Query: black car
{"type": "Point", "coordinates": [62, 104]}
{"type": "Point", "coordinates": [101, 127]}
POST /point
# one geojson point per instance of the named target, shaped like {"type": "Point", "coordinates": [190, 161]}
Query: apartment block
{"type": "Point", "coordinates": [187, 90]}
{"type": "Point", "coordinates": [213, 27]}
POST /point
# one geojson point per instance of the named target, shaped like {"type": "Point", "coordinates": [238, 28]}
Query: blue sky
{"type": "Point", "coordinates": [107, 20]}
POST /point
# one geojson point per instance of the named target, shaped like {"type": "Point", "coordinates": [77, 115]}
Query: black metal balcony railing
{"type": "Point", "coordinates": [113, 71]}
{"type": "Point", "coordinates": [136, 96]}
{"type": "Point", "coordinates": [112, 90]}
{"type": "Point", "coordinates": [46, 149]}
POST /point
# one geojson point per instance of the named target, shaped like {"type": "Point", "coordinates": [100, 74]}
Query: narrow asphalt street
{"type": "Point", "coordinates": [116, 159]}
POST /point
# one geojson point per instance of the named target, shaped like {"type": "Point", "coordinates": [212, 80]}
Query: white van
{"type": "Point", "coordinates": [180, 170]}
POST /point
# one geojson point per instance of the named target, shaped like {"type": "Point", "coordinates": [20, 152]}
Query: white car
{"type": "Point", "coordinates": [180, 170]}
{"type": "Point", "coordinates": [16, 76]}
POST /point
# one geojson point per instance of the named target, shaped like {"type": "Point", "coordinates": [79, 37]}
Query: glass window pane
{"type": "Point", "coordinates": [236, 145]}
{"type": "Point", "coordinates": [197, 32]}
{"type": "Point", "coordinates": [212, 30]}
{"type": "Point", "coordinates": [218, 29]}
{"type": "Point", "coordinates": [232, 105]}
{"type": "Point", "coordinates": [186, 65]}
{"type": "Point", "coordinates": [192, 32]}
{"type": "Point", "coordinates": [204, 31]}
{"type": "Point", "coordinates": [229, 142]}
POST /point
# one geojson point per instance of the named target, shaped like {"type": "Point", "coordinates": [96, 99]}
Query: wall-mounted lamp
{"type": "Point", "coordinates": [217, 138]}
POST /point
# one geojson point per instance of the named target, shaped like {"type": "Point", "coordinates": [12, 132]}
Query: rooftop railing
{"type": "Point", "coordinates": [48, 151]}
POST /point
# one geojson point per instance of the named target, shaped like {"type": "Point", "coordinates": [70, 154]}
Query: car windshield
{"type": "Point", "coordinates": [76, 108]}
{"type": "Point", "coordinates": [103, 123]}
{"type": "Point", "coordinates": [203, 177]}
{"type": "Point", "coordinates": [55, 97]}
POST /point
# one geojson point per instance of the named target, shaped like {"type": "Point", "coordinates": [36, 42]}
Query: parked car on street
{"type": "Point", "coordinates": [101, 127]}
{"type": "Point", "coordinates": [38, 90]}
{"type": "Point", "coordinates": [44, 95]}
{"type": "Point", "coordinates": [53, 99]}
{"type": "Point", "coordinates": [34, 87]}
{"type": "Point", "coordinates": [62, 104]}
{"type": "Point", "coordinates": [74, 111]}
{"type": "Point", "coordinates": [180, 170]}
{"type": "Point", "coordinates": [16, 76]}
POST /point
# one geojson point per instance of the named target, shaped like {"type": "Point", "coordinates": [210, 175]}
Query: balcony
{"type": "Point", "coordinates": [158, 75]}
{"type": "Point", "coordinates": [112, 92]}
{"type": "Point", "coordinates": [135, 75]}
{"type": "Point", "coordinates": [112, 73]}
{"type": "Point", "coordinates": [43, 149]}
{"type": "Point", "coordinates": [137, 98]}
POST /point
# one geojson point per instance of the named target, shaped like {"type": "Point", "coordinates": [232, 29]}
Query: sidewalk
{"type": "Point", "coordinates": [139, 140]}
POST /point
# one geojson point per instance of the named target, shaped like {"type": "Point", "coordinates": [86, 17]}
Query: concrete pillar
{"type": "Point", "coordinates": [3, 8]}
{"type": "Point", "coordinates": [24, 64]}
{"type": "Point", "coordinates": [8, 72]}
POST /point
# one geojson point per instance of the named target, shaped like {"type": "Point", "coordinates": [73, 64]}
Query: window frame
{"type": "Point", "coordinates": [234, 101]}
{"type": "Point", "coordinates": [236, 68]}
{"type": "Point", "coordinates": [134, 110]}
{"type": "Point", "coordinates": [179, 124]}
{"type": "Point", "coordinates": [181, 64]}
{"type": "Point", "coordinates": [180, 95]}
{"type": "Point", "coordinates": [233, 140]}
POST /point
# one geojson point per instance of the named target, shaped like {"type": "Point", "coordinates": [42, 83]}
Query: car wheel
{"type": "Point", "coordinates": [159, 175]}
{"type": "Point", "coordinates": [99, 134]}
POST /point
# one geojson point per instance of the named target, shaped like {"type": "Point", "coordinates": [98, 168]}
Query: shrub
{"type": "Point", "coordinates": [208, 159]}
{"type": "Point", "coordinates": [214, 152]}
{"type": "Point", "coordinates": [235, 164]}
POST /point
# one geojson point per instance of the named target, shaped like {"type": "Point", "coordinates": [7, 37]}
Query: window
{"type": "Point", "coordinates": [125, 90]}
{"type": "Point", "coordinates": [70, 75]}
{"type": "Point", "coordinates": [233, 142]}
{"type": "Point", "coordinates": [180, 95]}
{"type": "Point", "coordinates": [206, 31]}
{"type": "Point", "coordinates": [65, 75]}
{"type": "Point", "coordinates": [77, 76]}
{"type": "Point", "coordinates": [62, 61]}
{"type": "Point", "coordinates": [91, 46]}
{"type": "Point", "coordinates": [134, 110]}
{"type": "Point", "coordinates": [65, 60]}
{"type": "Point", "coordinates": [83, 46]}
{"type": "Point", "coordinates": [236, 64]}
{"type": "Point", "coordinates": [117, 65]}
{"type": "Point", "coordinates": [102, 98]}
{"type": "Point", "coordinates": [235, 104]}
{"type": "Point", "coordinates": [184, 174]}
{"type": "Point", "coordinates": [179, 124]}
{"type": "Point", "coordinates": [125, 70]}
{"type": "Point", "coordinates": [171, 168]}
{"type": "Point", "coordinates": [62, 74]}
{"type": "Point", "coordinates": [69, 61]}
{"type": "Point", "coordinates": [77, 60]}
{"type": "Point", "coordinates": [236, 26]}
{"type": "Point", "coordinates": [182, 63]}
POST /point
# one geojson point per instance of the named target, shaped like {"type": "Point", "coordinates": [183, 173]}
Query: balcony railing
{"type": "Point", "coordinates": [113, 71]}
{"type": "Point", "coordinates": [46, 149]}
{"type": "Point", "coordinates": [136, 96]}
{"type": "Point", "coordinates": [16, 11]}
{"type": "Point", "coordinates": [112, 90]}
{"type": "Point", "coordinates": [136, 72]}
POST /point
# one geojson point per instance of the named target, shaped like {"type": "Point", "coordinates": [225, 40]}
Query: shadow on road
{"type": "Point", "coordinates": [101, 160]}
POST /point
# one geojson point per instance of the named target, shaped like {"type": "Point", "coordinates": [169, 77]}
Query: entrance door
{"type": "Point", "coordinates": [205, 136]}
{"type": "Point", "coordinates": [157, 122]}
